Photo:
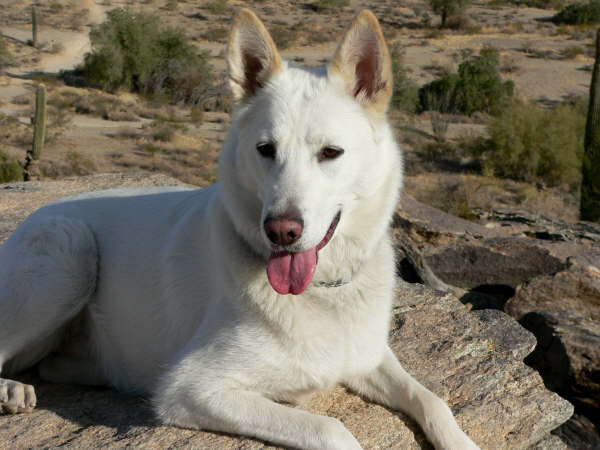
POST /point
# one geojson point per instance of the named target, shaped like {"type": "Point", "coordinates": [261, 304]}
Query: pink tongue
{"type": "Point", "coordinates": [292, 272]}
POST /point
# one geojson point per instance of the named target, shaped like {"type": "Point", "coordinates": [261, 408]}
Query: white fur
{"type": "Point", "coordinates": [164, 291]}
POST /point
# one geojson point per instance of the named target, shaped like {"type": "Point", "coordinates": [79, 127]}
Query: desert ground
{"type": "Point", "coordinates": [91, 131]}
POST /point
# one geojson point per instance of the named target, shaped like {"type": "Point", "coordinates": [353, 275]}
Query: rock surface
{"type": "Point", "coordinates": [471, 359]}
{"type": "Point", "coordinates": [567, 355]}
{"type": "Point", "coordinates": [575, 289]}
{"type": "Point", "coordinates": [563, 311]}
{"type": "Point", "coordinates": [543, 272]}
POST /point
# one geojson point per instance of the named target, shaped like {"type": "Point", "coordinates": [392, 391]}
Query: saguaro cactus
{"type": "Point", "coordinates": [34, 25]}
{"type": "Point", "coordinates": [39, 122]}
{"type": "Point", "coordinates": [590, 180]}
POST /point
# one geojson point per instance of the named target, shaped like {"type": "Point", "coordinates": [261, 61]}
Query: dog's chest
{"type": "Point", "coordinates": [319, 346]}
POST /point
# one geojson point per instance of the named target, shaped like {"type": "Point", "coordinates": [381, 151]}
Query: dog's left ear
{"type": "Point", "coordinates": [363, 61]}
{"type": "Point", "coordinates": [252, 57]}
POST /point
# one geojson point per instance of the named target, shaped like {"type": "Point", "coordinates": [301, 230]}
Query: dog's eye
{"type": "Point", "coordinates": [266, 149]}
{"type": "Point", "coordinates": [330, 152]}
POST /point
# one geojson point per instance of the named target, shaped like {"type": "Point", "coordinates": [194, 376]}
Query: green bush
{"type": "Point", "coordinates": [406, 90]}
{"type": "Point", "coordinates": [579, 13]}
{"type": "Point", "coordinates": [10, 169]}
{"type": "Point", "coordinates": [532, 144]}
{"type": "Point", "coordinates": [164, 129]}
{"type": "Point", "coordinates": [131, 51]}
{"type": "Point", "coordinates": [476, 87]}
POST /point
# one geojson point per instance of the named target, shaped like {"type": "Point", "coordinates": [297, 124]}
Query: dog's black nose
{"type": "Point", "coordinates": [283, 230]}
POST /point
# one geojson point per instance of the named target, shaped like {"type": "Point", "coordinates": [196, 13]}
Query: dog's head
{"type": "Point", "coordinates": [310, 160]}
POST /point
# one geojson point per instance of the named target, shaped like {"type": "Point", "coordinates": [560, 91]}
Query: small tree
{"type": "Point", "coordinates": [448, 8]}
{"type": "Point", "coordinates": [590, 182]}
{"type": "Point", "coordinates": [476, 87]}
{"type": "Point", "coordinates": [585, 13]}
{"type": "Point", "coordinates": [133, 51]}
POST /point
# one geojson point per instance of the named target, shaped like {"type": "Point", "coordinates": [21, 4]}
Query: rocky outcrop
{"type": "Point", "coordinates": [544, 272]}
{"type": "Point", "coordinates": [563, 311]}
{"type": "Point", "coordinates": [471, 359]}
{"type": "Point", "coordinates": [575, 289]}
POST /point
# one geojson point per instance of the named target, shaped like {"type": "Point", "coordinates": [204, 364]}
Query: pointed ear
{"type": "Point", "coordinates": [252, 57]}
{"type": "Point", "coordinates": [363, 61]}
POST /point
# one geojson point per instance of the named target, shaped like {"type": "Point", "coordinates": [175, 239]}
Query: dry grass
{"type": "Point", "coordinates": [465, 195]}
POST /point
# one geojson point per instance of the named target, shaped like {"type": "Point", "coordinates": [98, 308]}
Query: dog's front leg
{"type": "Point", "coordinates": [389, 384]}
{"type": "Point", "coordinates": [250, 414]}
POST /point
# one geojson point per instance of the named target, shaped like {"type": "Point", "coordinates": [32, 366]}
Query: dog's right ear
{"type": "Point", "coordinates": [363, 61]}
{"type": "Point", "coordinates": [252, 57]}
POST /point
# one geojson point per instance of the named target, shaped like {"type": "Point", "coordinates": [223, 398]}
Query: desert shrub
{"type": "Point", "coordinates": [439, 125]}
{"type": "Point", "coordinates": [78, 164]}
{"type": "Point", "coordinates": [107, 107]}
{"type": "Point", "coordinates": [542, 4]}
{"type": "Point", "coordinates": [406, 91]}
{"type": "Point", "coordinates": [329, 5]}
{"type": "Point", "coordinates": [476, 87]}
{"type": "Point", "coordinates": [283, 36]}
{"type": "Point", "coordinates": [171, 5]}
{"type": "Point", "coordinates": [164, 130]}
{"type": "Point", "coordinates": [56, 7]}
{"type": "Point", "coordinates": [440, 95]}
{"type": "Point", "coordinates": [579, 13]}
{"type": "Point", "coordinates": [447, 9]}
{"type": "Point", "coordinates": [197, 115]}
{"type": "Point", "coordinates": [571, 52]}
{"type": "Point", "coordinates": [7, 120]}
{"type": "Point", "coordinates": [10, 168]}
{"type": "Point", "coordinates": [58, 117]}
{"type": "Point", "coordinates": [6, 57]}
{"type": "Point", "coordinates": [63, 99]}
{"type": "Point", "coordinates": [532, 144]}
{"type": "Point", "coordinates": [133, 52]}
{"type": "Point", "coordinates": [461, 22]}
{"type": "Point", "coordinates": [218, 7]}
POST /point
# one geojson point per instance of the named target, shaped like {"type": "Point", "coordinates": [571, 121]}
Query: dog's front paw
{"type": "Point", "coordinates": [16, 397]}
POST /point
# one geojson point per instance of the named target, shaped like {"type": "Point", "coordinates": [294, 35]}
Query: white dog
{"type": "Point", "coordinates": [184, 295]}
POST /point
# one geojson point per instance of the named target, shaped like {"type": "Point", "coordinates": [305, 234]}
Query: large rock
{"type": "Point", "coordinates": [493, 258]}
{"type": "Point", "coordinates": [473, 360]}
{"type": "Point", "coordinates": [563, 311]}
{"type": "Point", "coordinates": [575, 289]}
{"type": "Point", "coordinates": [493, 262]}
{"type": "Point", "coordinates": [567, 354]}
{"type": "Point", "coordinates": [547, 269]}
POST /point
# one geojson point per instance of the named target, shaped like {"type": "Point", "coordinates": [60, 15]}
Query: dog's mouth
{"type": "Point", "coordinates": [291, 273]}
